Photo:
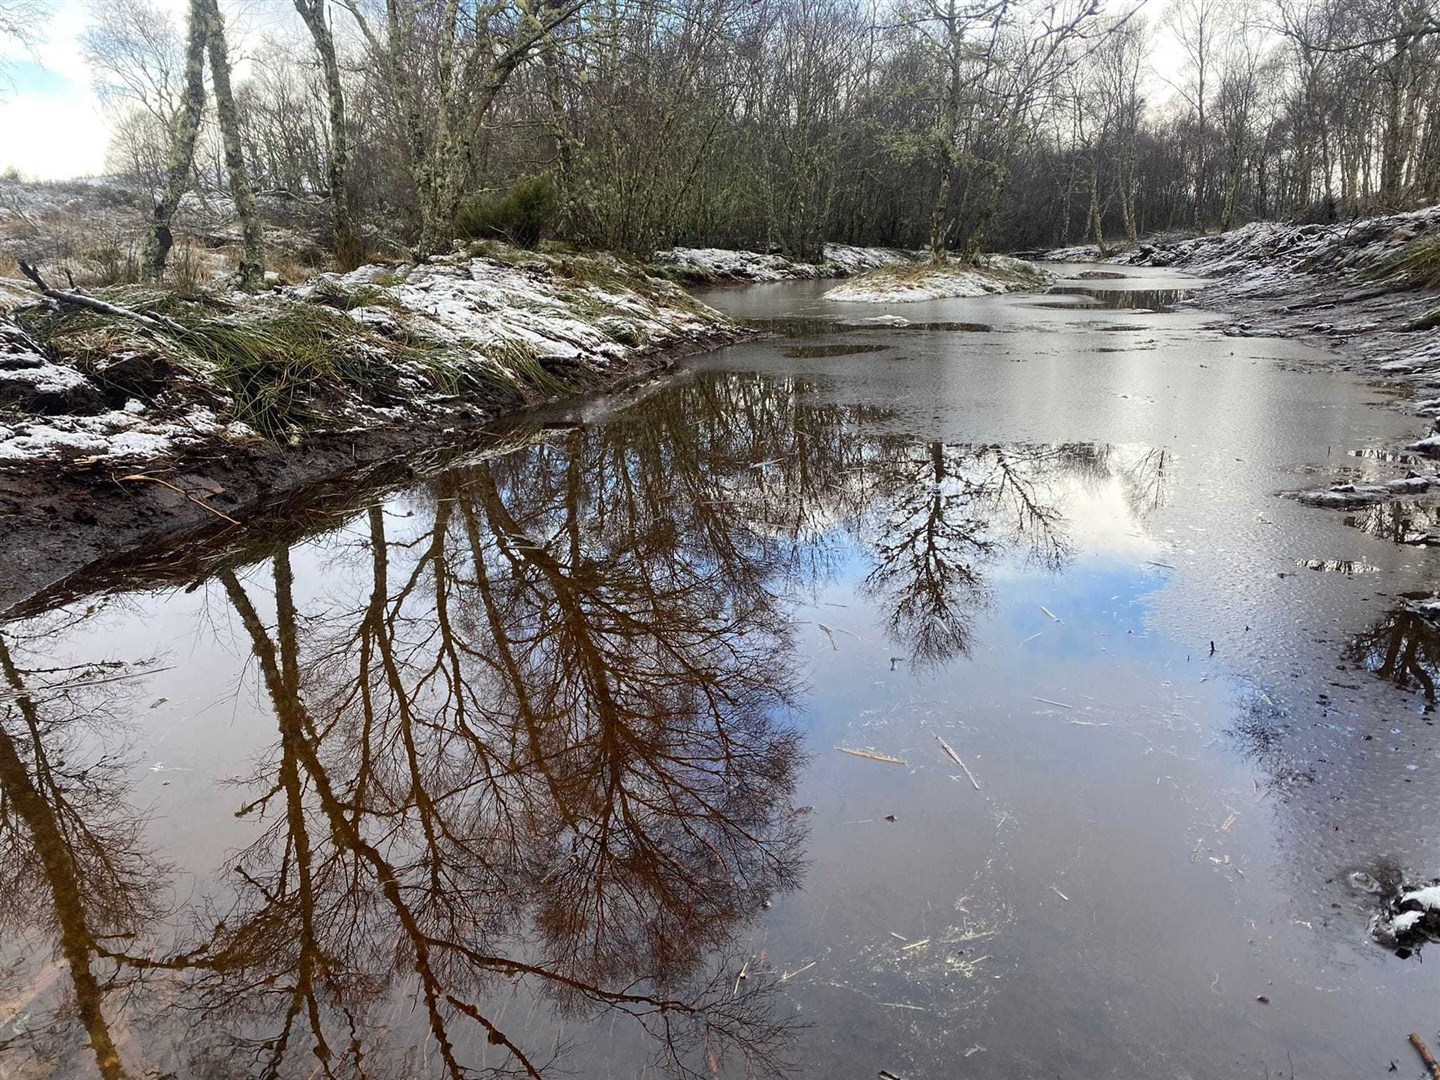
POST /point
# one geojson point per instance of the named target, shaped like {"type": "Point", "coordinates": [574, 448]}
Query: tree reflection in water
{"type": "Point", "coordinates": [545, 751]}
{"type": "Point", "coordinates": [1403, 647]}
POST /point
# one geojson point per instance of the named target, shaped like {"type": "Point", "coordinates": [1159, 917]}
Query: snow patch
{"type": "Point", "coordinates": [989, 275]}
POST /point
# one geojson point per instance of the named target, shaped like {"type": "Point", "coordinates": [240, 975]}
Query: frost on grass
{"type": "Point", "coordinates": [461, 334]}
{"type": "Point", "coordinates": [712, 265]}
{"type": "Point", "coordinates": [905, 284]}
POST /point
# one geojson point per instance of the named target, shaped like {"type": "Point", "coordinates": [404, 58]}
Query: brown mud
{"type": "Point", "coordinates": [61, 521]}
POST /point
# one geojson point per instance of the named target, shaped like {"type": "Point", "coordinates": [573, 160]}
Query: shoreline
{"type": "Point", "coordinates": [106, 519]}
{"type": "Point", "coordinates": [59, 522]}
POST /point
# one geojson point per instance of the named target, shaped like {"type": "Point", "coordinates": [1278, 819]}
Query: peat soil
{"type": "Point", "coordinates": [61, 521]}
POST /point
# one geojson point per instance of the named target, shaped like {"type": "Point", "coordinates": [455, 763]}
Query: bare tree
{"type": "Point", "coordinates": [21, 23]}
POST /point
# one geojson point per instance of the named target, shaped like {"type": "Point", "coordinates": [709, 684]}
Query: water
{"type": "Point", "coordinates": [966, 707]}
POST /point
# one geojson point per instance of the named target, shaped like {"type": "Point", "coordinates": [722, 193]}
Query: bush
{"type": "Point", "coordinates": [521, 215]}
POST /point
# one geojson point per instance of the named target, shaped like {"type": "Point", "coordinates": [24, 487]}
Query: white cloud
{"type": "Point", "coordinates": [53, 127]}
{"type": "Point", "coordinates": [53, 136]}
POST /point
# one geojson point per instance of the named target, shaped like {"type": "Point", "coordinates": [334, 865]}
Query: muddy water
{"type": "Point", "coordinates": [965, 707]}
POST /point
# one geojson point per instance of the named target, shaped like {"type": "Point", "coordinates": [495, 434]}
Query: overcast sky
{"type": "Point", "coordinates": [52, 126]}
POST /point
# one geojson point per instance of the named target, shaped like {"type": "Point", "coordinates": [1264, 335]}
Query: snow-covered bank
{"type": "Point", "coordinates": [1374, 246]}
{"type": "Point", "coordinates": [906, 284]}
{"type": "Point", "coordinates": [715, 265]}
{"type": "Point", "coordinates": [378, 347]}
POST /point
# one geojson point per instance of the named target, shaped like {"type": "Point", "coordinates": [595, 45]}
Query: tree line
{"type": "Point", "coordinates": [632, 125]}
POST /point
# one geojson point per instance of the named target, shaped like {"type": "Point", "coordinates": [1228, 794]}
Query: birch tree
{"type": "Point", "coordinates": [347, 242]}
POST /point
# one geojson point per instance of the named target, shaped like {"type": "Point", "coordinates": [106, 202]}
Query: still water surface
{"type": "Point", "coordinates": [969, 705]}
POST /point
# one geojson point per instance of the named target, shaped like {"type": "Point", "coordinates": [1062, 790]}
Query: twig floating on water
{"type": "Point", "coordinates": [1425, 1055]}
{"type": "Point", "coordinates": [956, 758]}
{"type": "Point", "coordinates": [1047, 611]}
{"type": "Point", "coordinates": [1057, 704]}
{"type": "Point", "coordinates": [36, 691]}
{"type": "Point", "coordinates": [872, 756]}
{"type": "Point", "coordinates": [786, 976]}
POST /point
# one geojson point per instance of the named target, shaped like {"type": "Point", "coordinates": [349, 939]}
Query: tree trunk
{"type": "Point", "coordinates": [182, 147]}
{"type": "Point", "coordinates": [347, 240]}
{"type": "Point", "coordinates": [252, 259]}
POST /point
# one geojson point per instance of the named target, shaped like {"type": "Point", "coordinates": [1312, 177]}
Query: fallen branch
{"type": "Point", "coordinates": [77, 299]}
{"type": "Point", "coordinates": [1425, 1055]}
{"type": "Point", "coordinates": [9, 693]}
{"type": "Point", "coordinates": [181, 491]}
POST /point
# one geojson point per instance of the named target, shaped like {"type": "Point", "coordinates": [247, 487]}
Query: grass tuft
{"type": "Point", "coordinates": [1417, 263]}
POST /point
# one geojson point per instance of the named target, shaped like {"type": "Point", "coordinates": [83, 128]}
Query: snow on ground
{"type": "Point", "coordinates": [723, 264]}
{"type": "Point", "coordinates": [496, 318]}
{"type": "Point", "coordinates": [991, 274]}
{"type": "Point", "coordinates": [121, 436]}
{"type": "Point", "coordinates": [484, 306]}
{"type": "Point", "coordinates": [1354, 496]}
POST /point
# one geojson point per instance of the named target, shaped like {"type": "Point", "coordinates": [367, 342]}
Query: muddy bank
{"type": "Point", "coordinates": [201, 412]}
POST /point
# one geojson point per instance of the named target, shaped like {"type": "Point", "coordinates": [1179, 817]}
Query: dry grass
{"type": "Point", "coordinates": [1417, 263]}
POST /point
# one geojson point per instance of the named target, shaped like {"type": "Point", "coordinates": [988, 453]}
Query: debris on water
{"type": "Point", "coordinates": [1060, 894]}
{"type": "Point", "coordinates": [830, 634]}
{"type": "Point", "coordinates": [1348, 567]}
{"type": "Point", "coordinates": [889, 817]}
{"type": "Point", "coordinates": [1051, 614]}
{"type": "Point", "coordinates": [1262, 999]}
{"type": "Point", "coordinates": [786, 976]}
{"type": "Point", "coordinates": [1057, 704]}
{"type": "Point", "coordinates": [956, 758]}
{"type": "Point", "coordinates": [870, 755]}
{"type": "Point", "coordinates": [1428, 1058]}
